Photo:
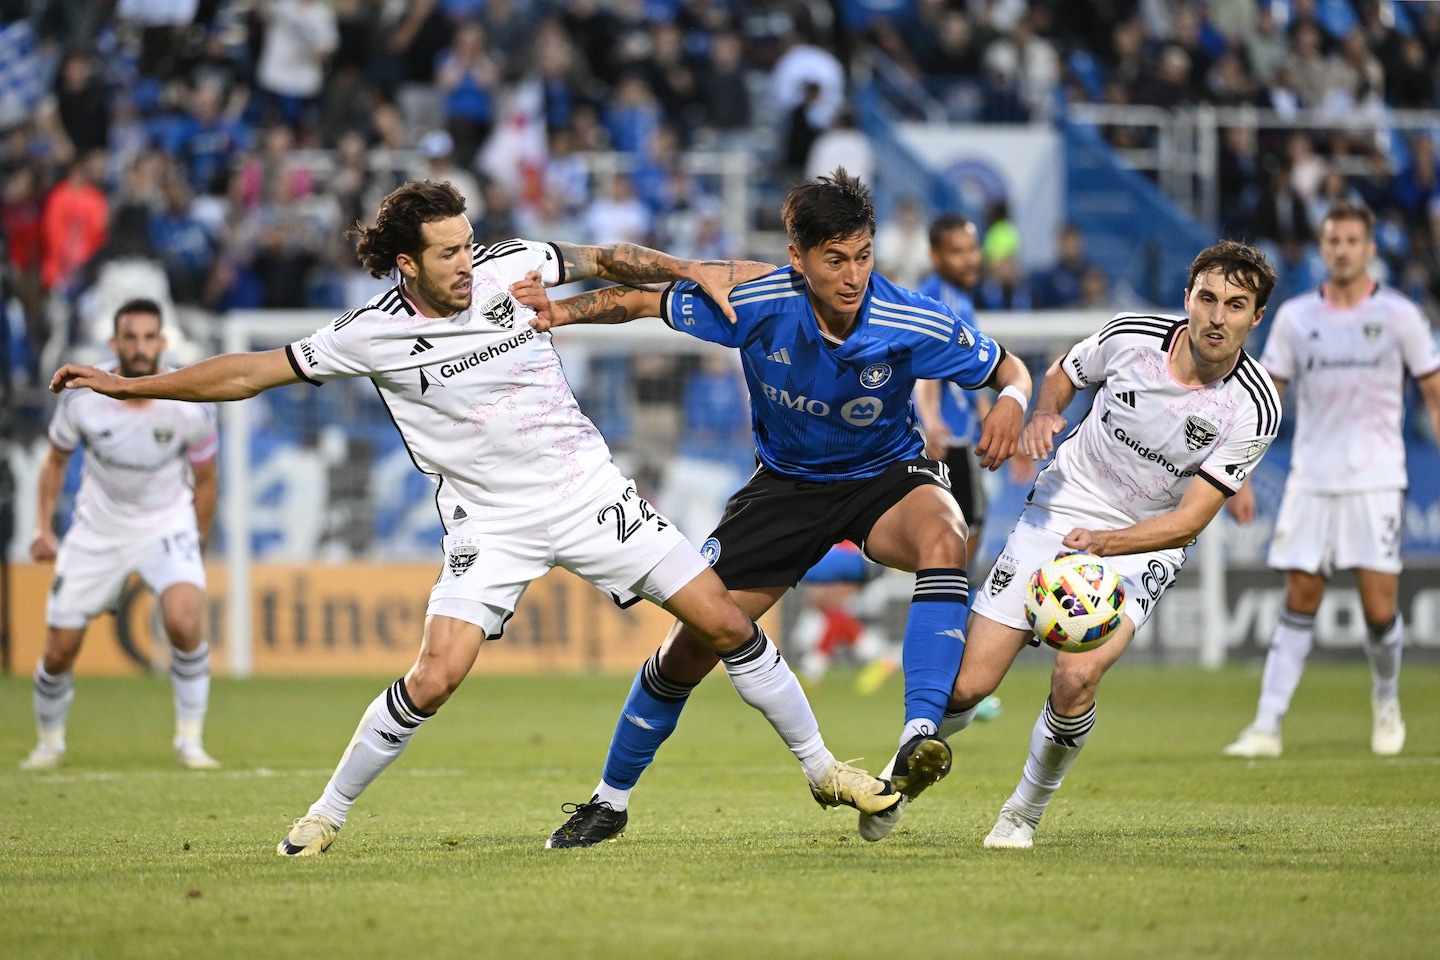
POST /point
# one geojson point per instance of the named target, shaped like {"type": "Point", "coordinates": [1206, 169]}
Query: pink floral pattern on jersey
{"type": "Point", "coordinates": [1209, 402]}
{"type": "Point", "coordinates": [558, 409]}
{"type": "Point", "coordinates": [1155, 489]}
{"type": "Point", "coordinates": [1150, 365]}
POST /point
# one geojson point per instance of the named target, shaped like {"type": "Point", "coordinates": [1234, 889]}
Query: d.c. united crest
{"type": "Point", "coordinates": [499, 310]}
{"type": "Point", "coordinates": [1199, 432]}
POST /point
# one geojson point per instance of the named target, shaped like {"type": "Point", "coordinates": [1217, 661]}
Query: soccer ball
{"type": "Point", "coordinates": [1074, 602]}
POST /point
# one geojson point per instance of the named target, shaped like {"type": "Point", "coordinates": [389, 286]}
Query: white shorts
{"type": "Point", "coordinates": [89, 581]}
{"type": "Point", "coordinates": [1002, 597]}
{"type": "Point", "coordinates": [1324, 532]}
{"type": "Point", "coordinates": [609, 535]}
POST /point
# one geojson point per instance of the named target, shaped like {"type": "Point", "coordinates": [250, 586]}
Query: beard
{"type": "Point", "coordinates": [442, 297]}
{"type": "Point", "coordinates": [139, 366]}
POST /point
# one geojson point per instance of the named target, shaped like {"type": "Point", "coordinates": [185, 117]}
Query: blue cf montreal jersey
{"type": "Point", "coordinates": [825, 410]}
{"type": "Point", "coordinates": [957, 406]}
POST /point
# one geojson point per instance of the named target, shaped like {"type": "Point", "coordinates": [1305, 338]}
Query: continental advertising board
{"type": "Point", "coordinates": [354, 618]}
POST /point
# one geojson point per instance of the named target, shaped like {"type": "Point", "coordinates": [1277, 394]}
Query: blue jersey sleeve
{"type": "Point", "coordinates": [685, 307]}
{"type": "Point", "coordinates": [954, 348]}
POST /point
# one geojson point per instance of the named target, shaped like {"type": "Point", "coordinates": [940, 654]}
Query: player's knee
{"type": "Point", "coordinates": [970, 689]}
{"type": "Point", "coordinates": [430, 683]}
{"type": "Point", "coordinates": [1073, 685]}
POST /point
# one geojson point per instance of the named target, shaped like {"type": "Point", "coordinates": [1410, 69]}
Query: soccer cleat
{"type": "Point", "coordinates": [1254, 743]}
{"type": "Point", "coordinates": [1387, 737]}
{"type": "Point", "coordinates": [310, 835]}
{"type": "Point", "coordinates": [1012, 831]}
{"type": "Point", "coordinates": [988, 709]}
{"type": "Point", "coordinates": [590, 823]}
{"type": "Point", "coordinates": [192, 756]}
{"type": "Point", "coordinates": [921, 762]}
{"type": "Point", "coordinates": [926, 761]}
{"type": "Point", "coordinates": [43, 757]}
{"type": "Point", "coordinates": [844, 785]}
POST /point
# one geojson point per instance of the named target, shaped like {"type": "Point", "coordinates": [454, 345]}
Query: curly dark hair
{"type": "Point", "coordinates": [1239, 263]}
{"type": "Point", "coordinates": [832, 207]}
{"type": "Point", "coordinates": [398, 221]}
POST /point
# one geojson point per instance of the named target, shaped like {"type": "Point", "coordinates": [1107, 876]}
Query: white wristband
{"type": "Point", "coordinates": [1018, 395]}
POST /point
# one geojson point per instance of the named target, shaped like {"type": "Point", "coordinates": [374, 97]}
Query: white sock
{"type": "Point", "coordinates": [190, 683]}
{"type": "Point", "coordinates": [919, 727]}
{"type": "Point", "coordinates": [765, 681]}
{"type": "Point", "coordinates": [953, 722]}
{"type": "Point", "coordinates": [1294, 636]}
{"type": "Point", "coordinates": [1055, 744]}
{"type": "Point", "coordinates": [53, 695]}
{"type": "Point", "coordinates": [1383, 649]}
{"type": "Point", "coordinates": [617, 798]}
{"type": "Point", "coordinates": [384, 731]}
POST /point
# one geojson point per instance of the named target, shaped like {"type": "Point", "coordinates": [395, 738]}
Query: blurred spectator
{"type": "Point", "coordinates": [800, 67]}
{"type": "Point", "coordinates": [467, 77]}
{"type": "Point", "coordinates": [20, 227]}
{"type": "Point", "coordinates": [437, 163]}
{"type": "Point", "coordinates": [801, 133]}
{"type": "Point", "coordinates": [1002, 237]}
{"type": "Point", "coordinates": [723, 88]}
{"type": "Point", "coordinates": [182, 244]}
{"type": "Point", "coordinates": [1061, 285]}
{"type": "Point", "coordinates": [163, 27]}
{"type": "Point", "coordinates": [75, 221]}
{"type": "Point", "coordinates": [498, 222]}
{"type": "Point", "coordinates": [902, 244]}
{"type": "Point", "coordinates": [130, 213]}
{"type": "Point", "coordinates": [1265, 46]}
{"type": "Point", "coordinates": [632, 115]}
{"type": "Point", "coordinates": [416, 41]}
{"type": "Point", "coordinates": [1095, 290]}
{"type": "Point", "coordinates": [299, 36]}
{"type": "Point", "coordinates": [1409, 83]}
{"type": "Point", "coordinates": [1241, 181]}
{"type": "Point", "coordinates": [618, 216]}
{"type": "Point", "coordinates": [670, 75]}
{"type": "Point", "coordinates": [1309, 70]}
{"type": "Point", "coordinates": [842, 145]}
{"type": "Point", "coordinates": [1004, 286]}
{"type": "Point", "coordinates": [83, 103]}
{"type": "Point", "coordinates": [206, 143]}
{"type": "Point", "coordinates": [1418, 181]}
{"type": "Point", "coordinates": [1282, 215]}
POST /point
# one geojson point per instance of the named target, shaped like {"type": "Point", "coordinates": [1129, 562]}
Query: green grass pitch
{"type": "Point", "coordinates": [1157, 846]}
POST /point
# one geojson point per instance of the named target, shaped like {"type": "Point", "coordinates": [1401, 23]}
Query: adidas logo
{"type": "Point", "coordinates": [1127, 397]}
{"type": "Point", "coordinates": [387, 736]}
{"type": "Point", "coordinates": [421, 345]}
{"type": "Point", "coordinates": [781, 356]}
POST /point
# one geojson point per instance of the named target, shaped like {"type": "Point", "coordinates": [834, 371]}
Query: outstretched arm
{"type": "Point", "coordinates": [1197, 507]}
{"type": "Point", "coordinates": [632, 264]}
{"type": "Point", "coordinates": [232, 376]}
{"type": "Point", "coordinates": [44, 543]}
{"type": "Point", "coordinates": [1000, 430]}
{"type": "Point", "coordinates": [618, 304]}
{"type": "Point", "coordinates": [1056, 392]}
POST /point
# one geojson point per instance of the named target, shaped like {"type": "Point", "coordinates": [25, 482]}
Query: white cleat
{"type": "Point", "coordinates": [1011, 831]}
{"type": "Point", "coordinates": [1254, 744]}
{"type": "Point", "coordinates": [192, 756]}
{"type": "Point", "coordinates": [44, 757]}
{"type": "Point", "coordinates": [1387, 737]}
{"type": "Point", "coordinates": [308, 836]}
{"type": "Point", "coordinates": [877, 826]}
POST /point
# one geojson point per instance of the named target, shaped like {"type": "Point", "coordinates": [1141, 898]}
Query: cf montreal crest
{"type": "Point", "coordinates": [875, 375]}
{"type": "Point", "coordinates": [164, 435]}
{"type": "Point", "coordinates": [1199, 433]}
{"type": "Point", "coordinates": [710, 550]}
{"type": "Point", "coordinates": [1001, 576]}
{"type": "Point", "coordinates": [462, 558]}
{"type": "Point", "coordinates": [499, 310]}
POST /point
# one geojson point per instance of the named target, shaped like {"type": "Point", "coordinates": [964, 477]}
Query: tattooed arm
{"type": "Point", "coordinates": [630, 263]}
{"type": "Point", "coordinates": [606, 305]}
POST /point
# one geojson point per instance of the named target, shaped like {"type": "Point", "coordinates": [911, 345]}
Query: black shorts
{"type": "Point", "coordinates": [775, 528]}
{"type": "Point", "coordinates": [966, 483]}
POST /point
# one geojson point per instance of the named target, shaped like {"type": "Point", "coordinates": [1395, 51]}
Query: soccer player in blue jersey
{"type": "Point", "coordinates": [950, 415]}
{"type": "Point", "coordinates": [831, 352]}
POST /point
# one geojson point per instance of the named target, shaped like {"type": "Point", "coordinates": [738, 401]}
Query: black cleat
{"type": "Point", "coordinates": [590, 823]}
{"type": "Point", "coordinates": [921, 762]}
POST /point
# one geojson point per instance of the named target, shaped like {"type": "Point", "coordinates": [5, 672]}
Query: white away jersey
{"type": "Point", "coordinates": [1147, 434]}
{"type": "Point", "coordinates": [479, 398]}
{"type": "Point", "coordinates": [1346, 367]}
{"type": "Point", "coordinates": [136, 482]}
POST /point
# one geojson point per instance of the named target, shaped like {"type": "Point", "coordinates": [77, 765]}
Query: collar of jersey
{"type": "Point", "coordinates": [862, 322]}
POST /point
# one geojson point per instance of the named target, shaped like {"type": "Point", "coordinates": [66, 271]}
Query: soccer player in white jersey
{"type": "Point", "coordinates": [526, 482]}
{"type": "Point", "coordinates": [1346, 347]}
{"type": "Point", "coordinates": [1180, 417]}
{"type": "Point", "coordinates": [146, 498]}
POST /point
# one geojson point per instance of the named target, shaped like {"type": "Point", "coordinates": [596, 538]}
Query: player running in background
{"type": "Point", "coordinates": [1181, 416]}
{"type": "Point", "coordinates": [1347, 347]}
{"type": "Point", "coordinates": [526, 482]}
{"type": "Point", "coordinates": [831, 352]}
{"type": "Point", "coordinates": [950, 415]}
{"type": "Point", "coordinates": [147, 495]}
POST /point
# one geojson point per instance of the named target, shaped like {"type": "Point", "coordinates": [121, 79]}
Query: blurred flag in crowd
{"type": "Point", "coordinates": [21, 83]}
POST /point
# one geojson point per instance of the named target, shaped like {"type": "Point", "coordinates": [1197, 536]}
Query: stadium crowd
{"type": "Point", "coordinates": [232, 141]}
